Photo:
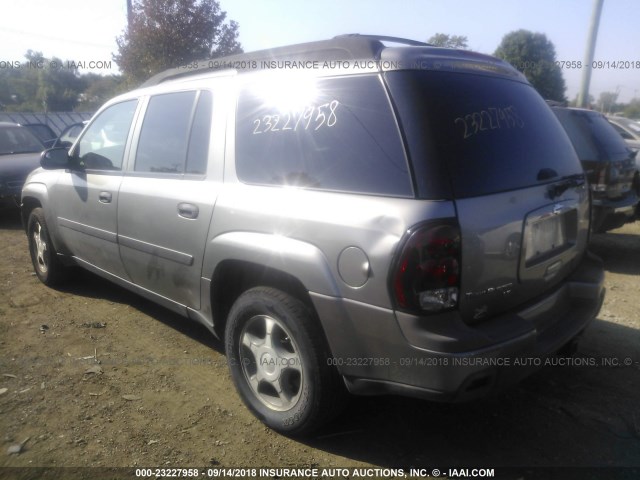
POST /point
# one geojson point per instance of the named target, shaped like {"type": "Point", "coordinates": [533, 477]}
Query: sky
{"type": "Point", "coordinates": [85, 30]}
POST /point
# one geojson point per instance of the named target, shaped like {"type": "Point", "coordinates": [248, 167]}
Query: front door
{"type": "Point", "coordinates": [86, 196]}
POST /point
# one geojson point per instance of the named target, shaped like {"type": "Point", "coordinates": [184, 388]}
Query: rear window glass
{"type": "Point", "coordinates": [593, 137]}
{"type": "Point", "coordinates": [490, 134]}
{"type": "Point", "coordinates": [329, 134]}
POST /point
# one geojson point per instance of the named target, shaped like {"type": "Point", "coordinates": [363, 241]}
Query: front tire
{"type": "Point", "coordinates": [279, 362]}
{"type": "Point", "coordinates": [45, 260]}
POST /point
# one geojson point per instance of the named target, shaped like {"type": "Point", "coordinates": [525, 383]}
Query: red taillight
{"type": "Point", "coordinates": [427, 276]}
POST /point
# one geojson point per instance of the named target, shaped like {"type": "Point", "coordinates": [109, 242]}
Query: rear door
{"type": "Point", "coordinates": [168, 194]}
{"type": "Point", "coordinates": [519, 189]}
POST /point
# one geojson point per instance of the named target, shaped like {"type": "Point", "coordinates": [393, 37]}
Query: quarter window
{"type": "Point", "coordinates": [334, 134]}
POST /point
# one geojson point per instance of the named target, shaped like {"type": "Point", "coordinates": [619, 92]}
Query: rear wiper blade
{"type": "Point", "coordinates": [564, 183]}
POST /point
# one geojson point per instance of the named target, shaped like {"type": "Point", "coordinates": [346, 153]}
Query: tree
{"type": "Point", "coordinates": [40, 84]}
{"type": "Point", "coordinates": [607, 102]}
{"type": "Point", "coordinates": [97, 90]}
{"type": "Point", "coordinates": [535, 56]}
{"type": "Point", "coordinates": [164, 34]}
{"type": "Point", "coordinates": [591, 101]}
{"type": "Point", "coordinates": [632, 109]}
{"type": "Point", "coordinates": [448, 41]}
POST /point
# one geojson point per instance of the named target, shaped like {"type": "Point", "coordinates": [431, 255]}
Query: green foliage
{"type": "Point", "coordinates": [632, 109]}
{"type": "Point", "coordinates": [169, 33]}
{"type": "Point", "coordinates": [449, 41]}
{"type": "Point", "coordinates": [35, 86]}
{"type": "Point", "coordinates": [607, 102]}
{"type": "Point", "coordinates": [535, 56]}
{"type": "Point", "coordinates": [591, 101]}
{"type": "Point", "coordinates": [98, 89]}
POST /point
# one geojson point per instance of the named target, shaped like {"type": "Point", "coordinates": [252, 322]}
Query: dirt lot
{"type": "Point", "coordinates": [161, 395]}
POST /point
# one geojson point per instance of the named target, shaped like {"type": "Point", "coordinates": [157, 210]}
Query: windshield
{"type": "Point", "coordinates": [18, 140]}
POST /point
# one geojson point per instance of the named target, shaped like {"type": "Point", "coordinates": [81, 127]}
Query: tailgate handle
{"type": "Point", "coordinates": [188, 210]}
{"type": "Point", "coordinates": [552, 270]}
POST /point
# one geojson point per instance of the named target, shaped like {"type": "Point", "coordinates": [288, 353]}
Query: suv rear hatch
{"type": "Point", "coordinates": [608, 162]}
{"type": "Point", "coordinates": [518, 187]}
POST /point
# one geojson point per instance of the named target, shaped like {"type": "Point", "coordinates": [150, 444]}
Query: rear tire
{"type": "Point", "coordinates": [45, 260]}
{"type": "Point", "coordinates": [280, 362]}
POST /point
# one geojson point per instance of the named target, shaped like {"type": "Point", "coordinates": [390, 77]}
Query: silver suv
{"type": "Point", "coordinates": [348, 216]}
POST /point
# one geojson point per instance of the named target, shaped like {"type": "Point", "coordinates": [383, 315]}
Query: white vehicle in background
{"type": "Point", "coordinates": [629, 129]}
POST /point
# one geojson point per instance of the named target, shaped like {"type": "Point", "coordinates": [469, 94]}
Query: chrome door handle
{"type": "Point", "coordinates": [188, 210]}
{"type": "Point", "coordinates": [105, 197]}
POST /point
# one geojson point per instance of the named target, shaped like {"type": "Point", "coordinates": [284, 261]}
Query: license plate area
{"type": "Point", "coordinates": [548, 235]}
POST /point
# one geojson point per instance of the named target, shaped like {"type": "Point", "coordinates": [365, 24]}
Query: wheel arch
{"type": "Point", "coordinates": [232, 277]}
{"type": "Point", "coordinates": [237, 261]}
{"type": "Point", "coordinates": [36, 195]}
{"type": "Point", "coordinates": [29, 204]}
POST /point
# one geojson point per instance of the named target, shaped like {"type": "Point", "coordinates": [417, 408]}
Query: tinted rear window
{"type": "Point", "coordinates": [486, 134]}
{"type": "Point", "coordinates": [331, 134]}
{"type": "Point", "coordinates": [18, 140]}
{"type": "Point", "coordinates": [593, 137]}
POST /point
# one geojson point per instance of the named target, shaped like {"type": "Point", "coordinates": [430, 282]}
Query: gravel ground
{"type": "Point", "coordinates": [161, 395]}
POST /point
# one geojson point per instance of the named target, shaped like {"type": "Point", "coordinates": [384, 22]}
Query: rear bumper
{"type": "Point", "coordinates": [610, 214]}
{"type": "Point", "coordinates": [379, 351]}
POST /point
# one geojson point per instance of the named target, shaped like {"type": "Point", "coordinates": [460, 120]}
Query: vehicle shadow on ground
{"type": "Point", "coordinates": [86, 284]}
{"type": "Point", "coordinates": [584, 413]}
{"type": "Point", "coordinates": [581, 411]}
{"type": "Point", "coordinates": [620, 252]}
{"type": "Point", "coordinates": [10, 219]}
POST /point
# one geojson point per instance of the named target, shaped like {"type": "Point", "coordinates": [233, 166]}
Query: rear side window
{"type": "Point", "coordinates": [489, 133]}
{"type": "Point", "coordinates": [334, 134]}
{"type": "Point", "coordinates": [163, 140]}
{"type": "Point", "coordinates": [199, 140]}
{"type": "Point", "coordinates": [175, 134]}
{"type": "Point", "coordinates": [593, 137]}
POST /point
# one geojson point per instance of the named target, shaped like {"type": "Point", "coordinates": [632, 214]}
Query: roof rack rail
{"type": "Point", "coordinates": [341, 47]}
{"type": "Point", "coordinates": [557, 103]}
{"type": "Point", "coordinates": [384, 38]}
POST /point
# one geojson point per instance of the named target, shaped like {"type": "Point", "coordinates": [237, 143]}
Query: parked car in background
{"type": "Point", "coordinates": [629, 130]}
{"type": "Point", "coordinates": [401, 227]}
{"type": "Point", "coordinates": [19, 154]}
{"type": "Point", "coordinates": [609, 164]}
{"type": "Point", "coordinates": [43, 131]}
{"type": "Point", "coordinates": [69, 134]}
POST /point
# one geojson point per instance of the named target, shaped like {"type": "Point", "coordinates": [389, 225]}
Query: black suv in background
{"type": "Point", "coordinates": [609, 164]}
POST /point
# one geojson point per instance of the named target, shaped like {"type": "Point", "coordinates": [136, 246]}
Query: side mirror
{"type": "Point", "coordinates": [55, 158]}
